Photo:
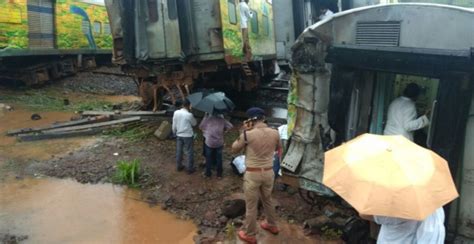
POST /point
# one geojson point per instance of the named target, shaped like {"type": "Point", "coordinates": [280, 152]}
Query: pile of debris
{"type": "Point", "coordinates": [88, 123]}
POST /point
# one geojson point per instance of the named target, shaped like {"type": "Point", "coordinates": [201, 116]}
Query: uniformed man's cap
{"type": "Point", "coordinates": [255, 112]}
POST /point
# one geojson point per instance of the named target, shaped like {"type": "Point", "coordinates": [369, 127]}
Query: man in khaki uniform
{"type": "Point", "coordinates": [259, 142]}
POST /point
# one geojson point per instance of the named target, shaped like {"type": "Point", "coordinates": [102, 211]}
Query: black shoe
{"type": "Point", "coordinates": [180, 168]}
{"type": "Point", "coordinates": [191, 171]}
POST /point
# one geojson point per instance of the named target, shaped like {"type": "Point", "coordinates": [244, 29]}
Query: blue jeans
{"type": "Point", "coordinates": [185, 143]}
{"type": "Point", "coordinates": [213, 155]}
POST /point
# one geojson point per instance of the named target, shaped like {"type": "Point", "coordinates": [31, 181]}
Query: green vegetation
{"type": "Point", "coordinates": [40, 101]}
{"type": "Point", "coordinates": [230, 231]}
{"type": "Point", "coordinates": [328, 233]}
{"type": "Point", "coordinates": [127, 173]}
{"type": "Point", "coordinates": [134, 132]}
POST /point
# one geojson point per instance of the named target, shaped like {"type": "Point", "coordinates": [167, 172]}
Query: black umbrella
{"type": "Point", "coordinates": [211, 103]}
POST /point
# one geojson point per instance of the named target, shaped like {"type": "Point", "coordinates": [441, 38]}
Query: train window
{"type": "Point", "coordinates": [266, 25]}
{"type": "Point", "coordinates": [254, 21]}
{"type": "Point", "coordinates": [107, 29]}
{"type": "Point", "coordinates": [232, 12]}
{"type": "Point", "coordinates": [172, 9]}
{"type": "Point", "coordinates": [152, 11]}
{"type": "Point", "coordinates": [97, 27]}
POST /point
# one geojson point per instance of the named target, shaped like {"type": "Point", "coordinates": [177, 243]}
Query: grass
{"type": "Point", "coordinates": [328, 233]}
{"type": "Point", "coordinates": [134, 132]}
{"type": "Point", "coordinates": [230, 231]}
{"type": "Point", "coordinates": [40, 101]}
{"type": "Point", "coordinates": [127, 173]}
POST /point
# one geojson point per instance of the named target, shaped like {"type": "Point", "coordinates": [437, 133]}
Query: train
{"type": "Point", "coordinates": [349, 68]}
{"type": "Point", "coordinates": [42, 40]}
{"type": "Point", "coordinates": [182, 44]}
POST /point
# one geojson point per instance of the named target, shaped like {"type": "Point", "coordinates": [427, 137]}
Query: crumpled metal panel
{"type": "Point", "coordinates": [310, 102]}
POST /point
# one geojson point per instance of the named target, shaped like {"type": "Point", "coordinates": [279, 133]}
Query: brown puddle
{"type": "Point", "coordinates": [40, 150]}
{"type": "Point", "coordinates": [64, 211]}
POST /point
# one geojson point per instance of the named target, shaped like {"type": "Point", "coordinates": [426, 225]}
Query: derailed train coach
{"type": "Point", "coordinates": [42, 40]}
{"type": "Point", "coordinates": [169, 44]}
{"type": "Point", "coordinates": [348, 68]}
{"type": "Point", "coordinates": [173, 44]}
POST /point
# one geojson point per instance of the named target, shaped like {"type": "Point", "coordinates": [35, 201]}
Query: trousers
{"type": "Point", "coordinates": [258, 186]}
{"type": "Point", "coordinates": [186, 144]}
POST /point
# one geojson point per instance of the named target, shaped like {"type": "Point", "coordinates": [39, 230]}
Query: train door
{"type": "Point", "coordinates": [41, 24]}
{"type": "Point", "coordinates": [161, 29]}
{"type": "Point", "coordinates": [284, 28]}
{"type": "Point", "coordinates": [389, 86]}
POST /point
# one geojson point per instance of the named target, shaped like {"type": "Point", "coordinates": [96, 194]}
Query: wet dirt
{"type": "Point", "coordinates": [186, 196]}
{"type": "Point", "coordinates": [64, 211]}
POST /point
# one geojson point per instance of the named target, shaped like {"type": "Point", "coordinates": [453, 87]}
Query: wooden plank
{"type": "Point", "coordinates": [96, 125]}
{"type": "Point", "coordinates": [59, 125]}
{"type": "Point", "coordinates": [124, 113]}
{"type": "Point", "coordinates": [57, 135]}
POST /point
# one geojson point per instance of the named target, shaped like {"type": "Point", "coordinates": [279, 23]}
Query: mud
{"type": "Point", "coordinates": [92, 160]}
{"type": "Point", "coordinates": [187, 196]}
{"type": "Point", "coordinates": [64, 211]}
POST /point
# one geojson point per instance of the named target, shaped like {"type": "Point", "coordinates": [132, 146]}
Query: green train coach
{"type": "Point", "coordinates": [41, 40]}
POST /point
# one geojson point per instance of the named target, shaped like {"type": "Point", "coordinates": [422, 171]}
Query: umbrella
{"type": "Point", "coordinates": [389, 176]}
{"type": "Point", "coordinates": [211, 103]}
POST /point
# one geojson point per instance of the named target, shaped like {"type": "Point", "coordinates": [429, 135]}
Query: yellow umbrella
{"type": "Point", "coordinates": [389, 176]}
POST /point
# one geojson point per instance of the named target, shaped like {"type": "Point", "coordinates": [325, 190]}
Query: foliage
{"type": "Point", "coordinates": [134, 132]}
{"type": "Point", "coordinates": [230, 230]}
{"type": "Point", "coordinates": [328, 233]}
{"type": "Point", "coordinates": [127, 173]}
{"type": "Point", "coordinates": [40, 101]}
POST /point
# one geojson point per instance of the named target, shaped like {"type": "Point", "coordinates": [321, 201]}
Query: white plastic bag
{"type": "Point", "coordinates": [239, 163]}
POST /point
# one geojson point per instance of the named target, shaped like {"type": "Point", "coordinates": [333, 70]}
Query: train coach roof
{"type": "Point", "coordinates": [421, 25]}
{"type": "Point", "coordinates": [408, 31]}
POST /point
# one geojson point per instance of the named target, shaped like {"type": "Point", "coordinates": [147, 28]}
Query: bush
{"type": "Point", "coordinates": [127, 173]}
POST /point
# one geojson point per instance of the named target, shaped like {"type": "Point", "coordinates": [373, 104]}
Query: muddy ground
{"type": "Point", "coordinates": [188, 196]}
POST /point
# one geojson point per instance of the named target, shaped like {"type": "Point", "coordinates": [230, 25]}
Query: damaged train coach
{"type": "Point", "coordinates": [174, 44]}
{"type": "Point", "coordinates": [348, 68]}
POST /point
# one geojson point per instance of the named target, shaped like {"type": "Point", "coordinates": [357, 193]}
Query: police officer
{"type": "Point", "coordinates": [259, 142]}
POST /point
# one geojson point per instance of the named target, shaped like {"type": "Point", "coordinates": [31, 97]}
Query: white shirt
{"type": "Point", "coordinates": [283, 131]}
{"type": "Point", "coordinates": [402, 231]}
{"type": "Point", "coordinates": [326, 15]}
{"type": "Point", "coordinates": [245, 15]}
{"type": "Point", "coordinates": [183, 122]}
{"type": "Point", "coordinates": [402, 118]}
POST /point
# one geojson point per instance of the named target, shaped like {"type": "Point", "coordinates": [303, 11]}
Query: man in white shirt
{"type": "Point", "coordinates": [402, 118]}
{"type": "Point", "coordinates": [183, 122]}
{"type": "Point", "coordinates": [245, 16]}
{"type": "Point", "coordinates": [405, 231]}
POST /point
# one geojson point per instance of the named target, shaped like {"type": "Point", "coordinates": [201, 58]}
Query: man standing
{"type": "Point", "coordinates": [245, 16]}
{"type": "Point", "coordinates": [402, 118]}
{"type": "Point", "coordinates": [260, 143]}
{"type": "Point", "coordinates": [183, 122]}
{"type": "Point", "coordinates": [213, 128]}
